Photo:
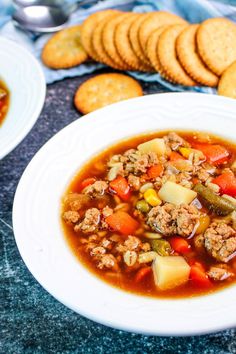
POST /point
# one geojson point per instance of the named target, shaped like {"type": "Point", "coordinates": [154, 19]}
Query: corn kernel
{"type": "Point", "coordinates": [185, 152]}
{"type": "Point", "coordinates": [151, 197]}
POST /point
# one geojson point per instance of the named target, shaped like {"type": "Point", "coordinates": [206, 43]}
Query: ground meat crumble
{"type": "Point", "coordinates": [220, 241]}
{"type": "Point", "coordinates": [219, 272]}
{"type": "Point", "coordinates": [71, 216]}
{"type": "Point", "coordinates": [76, 201]}
{"type": "Point", "coordinates": [90, 222]}
{"type": "Point", "coordinates": [174, 141]}
{"type": "Point", "coordinates": [133, 244]}
{"type": "Point", "coordinates": [96, 189]}
{"type": "Point", "coordinates": [134, 162]}
{"type": "Point", "coordinates": [134, 182]}
{"type": "Point", "coordinates": [170, 219]}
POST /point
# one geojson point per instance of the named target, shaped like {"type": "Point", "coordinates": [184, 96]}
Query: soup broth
{"type": "Point", "coordinates": [156, 214]}
{"type": "Point", "coordinates": [4, 101]}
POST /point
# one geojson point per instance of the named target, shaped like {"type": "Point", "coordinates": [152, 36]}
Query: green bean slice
{"type": "Point", "coordinates": [162, 247]}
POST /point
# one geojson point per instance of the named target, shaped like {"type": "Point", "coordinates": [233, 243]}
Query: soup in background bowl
{"type": "Point", "coordinates": [4, 101]}
{"type": "Point", "coordinates": [22, 94]}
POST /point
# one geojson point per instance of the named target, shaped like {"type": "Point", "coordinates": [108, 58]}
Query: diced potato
{"type": "Point", "coordinates": [155, 145]}
{"type": "Point", "coordinates": [170, 271]}
{"type": "Point", "coordinates": [176, 194]}
{"type": "Point", "coordinates": [182, 165]}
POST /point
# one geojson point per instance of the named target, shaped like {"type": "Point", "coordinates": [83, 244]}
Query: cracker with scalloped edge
{"type": "Point", "coordinates": [98, 46]}
{"type": "Point", "coordinates": [134, 39]}
{"type": "Point", "coordinates": [105, 89]}
{"type": "Point", "coordinates": [227, 83]}
{"type": "Point", "coordinates": [108, 39]}
{"type": "Point", "coordinates": [191, 61]}
{"type": "Point", "coordinates": [153, 21]}
{"type": "Point", "coordinates": [151, 48]}
{"type": "Point", "coordinates": [64, 49]}
{"type": "Point", "coordinates": [88, 28]}
{"type": "Point", "coordinates": [168, 58]}
{"type": "Point", "coordinates": [216, 42]}
{"type": "Point", "coordinates": [124, 47]}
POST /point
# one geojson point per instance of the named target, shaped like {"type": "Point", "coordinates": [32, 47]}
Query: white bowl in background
{"type": "Point", "coordinates": [25, 79]}
{"type": "Point", "coordinates": [36, 216]}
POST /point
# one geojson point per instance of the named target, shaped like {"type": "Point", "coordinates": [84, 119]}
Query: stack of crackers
{"type": "Point", "coordinates": [183, 53]}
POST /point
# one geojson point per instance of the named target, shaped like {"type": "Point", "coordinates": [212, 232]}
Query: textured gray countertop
{"type": "Point", "coordinates": [32, 321]}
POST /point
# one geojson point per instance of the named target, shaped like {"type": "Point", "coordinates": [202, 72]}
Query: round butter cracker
{"type": "Point", "coordinates": [98, 46]}
{"type": "Point", "coordinates": [227, 83]}
{"type": "Point", "coordinates": [188, 56]}
{"type": "Point", "coordinates": [151, 48]}
{"type": "Point", "coordinates": [108, 39]}
{"type": "Point", "coordinates": [168, 58]}
{"type": "Point", "coordinates": [105, 89]}
{"type": "Point", "coordinates": [64, 49]}
{"type": "Point", "coordinates": [124, 47]}
{"type": "Point", "coordinates": [216, 42]}
{"type": "Point", "coordinates": [153, 21]}
{"type": "Point", "coordinates": [89, 26]}
{"type": "Point", "coordinates": [134, 39]}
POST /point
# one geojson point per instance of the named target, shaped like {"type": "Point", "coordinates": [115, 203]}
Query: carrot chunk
{"type": "Point", "coordinates": [121, 187]}
{"type": "Point", "coordinates": [155, 171]}
{"type": "Point", "coordinates": [87, 181]}
{"type": "Point", "coordinates": [227, 183]}
{"type": "Point", "coordinates": [122, 222]}
{"type": "Point", "coordinates": [198, 276]}
{"type": "Point", "coordinates": [142, 274]}
{"type": "Point", "coordinates": [214, 153]}
{"type": "Point", "coordinates": [175, 156]}
{"type": "Point", "coordinates": [180, 245]}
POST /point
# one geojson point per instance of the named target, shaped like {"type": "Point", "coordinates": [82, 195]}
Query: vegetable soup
{"type": "Point", "coordinates": [156, 214]}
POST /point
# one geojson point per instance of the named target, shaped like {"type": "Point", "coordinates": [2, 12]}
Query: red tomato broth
{"type": "Point", "coordinates": [96, 167]}
{"type": "Point", "coordinates": [4, 102]}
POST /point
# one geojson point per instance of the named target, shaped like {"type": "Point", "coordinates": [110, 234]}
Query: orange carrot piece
{"type": "Point", "coordinates": [180, 245]}
{"type": "Point", "coordinates": [198, 276]}
{"type": "Point", "coordinates": [195, 180]}
{"type": "Point", "coordinates": [214, 153]}
{"type": "Point", "coordinates": [175, 156]}
{"type": "Point", "coordinates": [121, 187]}
{"type": "Point", "coordinates": [87, 181]}
{"type": "Point", "coordinates": [142, 274]}
{"type": "Point", "coordinates": [227, 183]}
{"type": "Point", "coordinates": [155, 171]}
{"type": "Point", "coordinates": [122, 222]}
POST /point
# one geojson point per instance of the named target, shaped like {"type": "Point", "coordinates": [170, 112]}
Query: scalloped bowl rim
{"type": "Point", "coordinates": [39, 235]}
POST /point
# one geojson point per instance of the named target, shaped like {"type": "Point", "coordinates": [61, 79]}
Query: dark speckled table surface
{"type": "Point", "coordinates": [32, 321]}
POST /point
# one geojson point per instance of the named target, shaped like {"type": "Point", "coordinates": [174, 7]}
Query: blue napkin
{"type": "Point", "coordinates": [193, 11]}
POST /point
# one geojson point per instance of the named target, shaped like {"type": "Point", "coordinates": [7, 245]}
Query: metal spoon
{"type": "Point", "coordinates": [45, 19]}
{"type": "Point", "coordinates": [24, 3]}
